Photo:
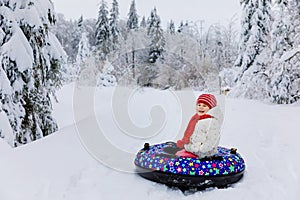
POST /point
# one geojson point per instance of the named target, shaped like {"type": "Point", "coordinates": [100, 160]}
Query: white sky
{"type": "Point", "coordinates": [212, 11]}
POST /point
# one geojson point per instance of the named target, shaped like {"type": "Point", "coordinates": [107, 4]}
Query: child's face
{"type": "Point", "coordinates": [202, 108]}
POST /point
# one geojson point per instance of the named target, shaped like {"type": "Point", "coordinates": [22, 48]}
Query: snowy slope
{"type": "Point", "coordinates": [59, 167]}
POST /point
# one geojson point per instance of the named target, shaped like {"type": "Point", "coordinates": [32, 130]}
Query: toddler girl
{"type": "Point", "coordinates": [202, 135]}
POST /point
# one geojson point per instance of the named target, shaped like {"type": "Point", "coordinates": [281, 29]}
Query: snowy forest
{"type": "Point", "coordinates": [40, 51]}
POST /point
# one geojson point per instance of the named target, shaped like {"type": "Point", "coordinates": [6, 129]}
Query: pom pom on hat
{"type": "Point", "coordinates": [208, 99]}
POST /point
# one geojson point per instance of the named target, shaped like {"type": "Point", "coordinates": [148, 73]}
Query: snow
{"type": "Point", "coordinates": [18, 48]}
{"type": "Point", "coordinates": [6, 128]}
{"type": "Point", "coordinates": [56, 51]}
{"type": "Point", "coordinates": [289, 54]}
{"type": "Point", "coordinates": [30, 15]}
{"type": "Point", "coordinates": [4, 82]}
{"type": "Point", "coordinates": [35, 13]}
{"type": "Point", "coordinates": [60, 167]}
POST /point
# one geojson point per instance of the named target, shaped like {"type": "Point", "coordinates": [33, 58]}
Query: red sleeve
{"type": "Point", "coordinates": [180, 144]}
{"type": "Point", "coordinates": [184, 140]}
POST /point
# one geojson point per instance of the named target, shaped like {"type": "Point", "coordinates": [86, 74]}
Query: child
{"type": "Point", "coordinates": [202, 135]}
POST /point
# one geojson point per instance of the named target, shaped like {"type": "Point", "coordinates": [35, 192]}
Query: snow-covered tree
{"type": "Point", "coordinates": [284, 72]}
{"type": "Point", "coordinates": [143, 23]}
{"type": "Point", "coordinates": [280, 40]}
{"type": "Point", "coordinates": [156, 35]}
{"type": "Point", "coordinates": [132, 22]}
{"type": "Point", "coordinates": [31, 58]}
{"type": "Point", "coordinates": [147, 75]}
{"type": "Point", "coordinates": [102, 32]}
{"type": "Point", "coordinates": [215, 45]}
{"type": "Point", "coordinates": [180, 27]}
{"type": "Point", "coordinates": [83, 49]}
{"type": "Point", "coordinates": [134, 39]}
{"type": "Point", "coordinates": [254, 39]}
{"type": "Point", "coordinates": [6, 111]}
{"type": "Point", "coordinates": [106, 77]}
{"type": "Point", "coordinates": [89, 27]}
{"type": "Point", "coordinates": [75, 37]}
{"type": "Point", "coordinates": [285, 78]}
{"type": "Point", "coordinates": [225, 52]}
{"type": "Point", "coordinates": [255, 28]}
{"type": "Point", "coordinates": [183, 27]}
{"type": "Point", "coordinates": [114, 26]}
{"type": "Point", "coordinates": [171, 27]}
{"type": "Point", "coordinates": [68, 33]}
{"type": "Point", "coordinates": [296, 20]}
{"type": "Point", "coordinates": [221, 49]}
{"type": "Point", "coordinates": [80, 22]}
{"type": "Point", "coordinates": [229, 44]}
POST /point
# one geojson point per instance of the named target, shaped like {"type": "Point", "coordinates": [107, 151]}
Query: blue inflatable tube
{"type": "Point", "coordinates": [221, 170]}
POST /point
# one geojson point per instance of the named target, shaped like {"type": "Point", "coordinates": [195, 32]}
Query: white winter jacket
{"type": "Point", "coordinates": [206, 136]}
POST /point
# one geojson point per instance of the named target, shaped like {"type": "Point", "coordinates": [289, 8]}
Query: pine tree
{"type": "Point", "coordinates": [143, 23]}
{"type": "Point", "coordinates": [254, 41]}
{"type": "Point", "coordinates": [102, 32]}
{"type": "Point", "coordinates": [114, 26]}
{"type": "Point", "coordinates": [83, 49]}
{"type": "Point", "coordinates": [31, 60]}
{"type": "Point", "coordinates": [132, 27]}
{"type": "Point", "coordinates": [132, 22]}
{"type": "Point", "coordinates": [64, 31]}
{"type": "Point", "coordinates": [280, 40]}
{"type": "Point", "coordinates": [80, 22]}
{"type": "Point", "coordinates": [69, 33]}
{"type": "Point", "coordinates": [11, 109]}
{"type": "Point", "coordinates": [171, 28]}
{"type": "Point", "coordinates": [255, 29]}
{"type": "Point", "coordinates": [156, 35]}
{"type": "Point", "coordinates": [74, 37]}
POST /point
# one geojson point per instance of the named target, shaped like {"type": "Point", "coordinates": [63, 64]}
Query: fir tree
{"type": "Point", "coordinates": [80, 23]}
{"type": "Point", "coordinates": [132, 27]}
{"type": "Point", "coordinates": [254, 41]}
{"type": "Point", "coordinates": [74, 37]}
{"type": "Point", "coordinates": [31, 59]}
{"type": "Point", "coordinates": [255, 29]}
{"type": "Point", "coordinates": [156, 35]}
{"type": "Point", "coordinates": [102, 32]}
{"type": "Point", "coordinates": [6, 131]}
{"type": "Point", "coordinates": [83, 49]}
{"type": "Point", "coordinates": [64, 31]}
{"type": "Point", "coordinates": [69, 33]}
{"type": "Point", "coordinates": [143, 23]}
{"type": "Point", "coordinates": [132, 22]}
{"type": "Point", "coordinates": [114, 26]}
{"type": "Point", "coordinates": [171, 28]}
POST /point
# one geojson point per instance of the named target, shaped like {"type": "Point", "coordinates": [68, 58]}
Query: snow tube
{"type": "Point", "coordinates": [221, 170]}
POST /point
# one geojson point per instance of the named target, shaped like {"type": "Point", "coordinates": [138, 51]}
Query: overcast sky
{"type": "Point", "coordinates": [211, 11]}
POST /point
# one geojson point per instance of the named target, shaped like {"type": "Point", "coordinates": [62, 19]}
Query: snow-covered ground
{"type": "Point", "coordinates": [63, 166]}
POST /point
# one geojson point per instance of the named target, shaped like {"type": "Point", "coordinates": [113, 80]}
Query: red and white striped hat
{"type": "Point", "coordinates": [208, 99]}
